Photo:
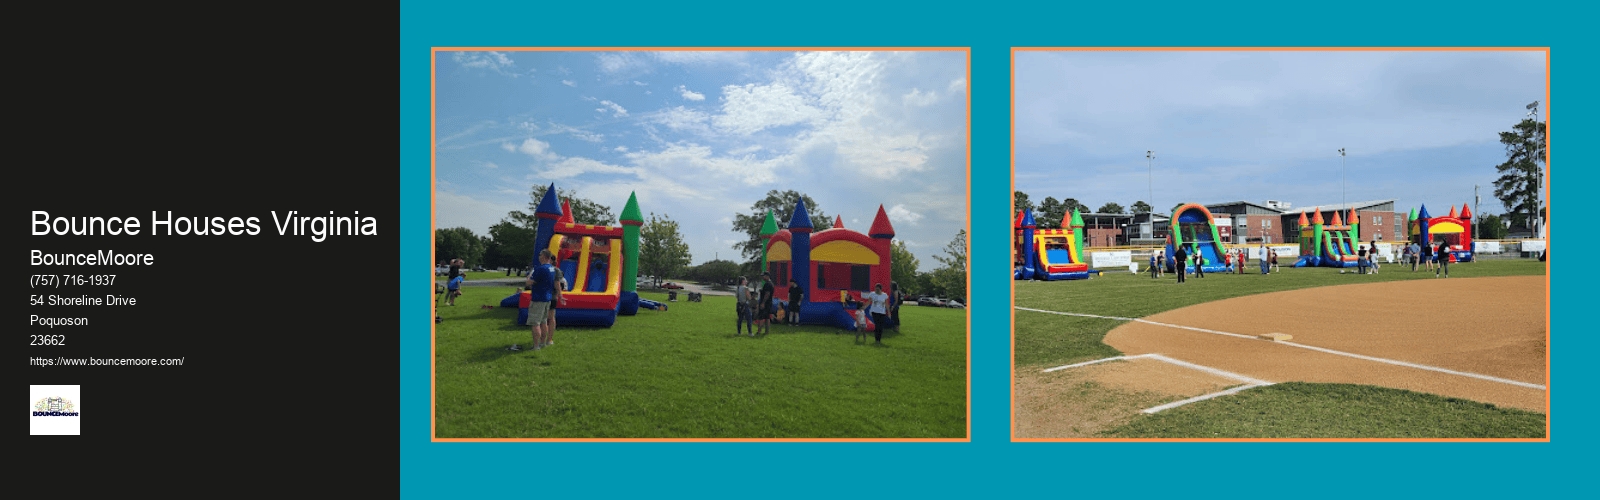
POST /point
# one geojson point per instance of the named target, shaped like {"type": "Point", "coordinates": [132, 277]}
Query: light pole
{"type": "Point", "coordinates": [1150, 215]}
{"type": "Point", "coordinates": [1536, 218]}
{"type": "Point", "coordinates": [1341, 177]}
{"type": "Point", "coordinates": [1150, 161]}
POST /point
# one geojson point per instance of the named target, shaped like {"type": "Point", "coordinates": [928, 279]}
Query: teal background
{"type": "Point", "coordinates": [990, 463]}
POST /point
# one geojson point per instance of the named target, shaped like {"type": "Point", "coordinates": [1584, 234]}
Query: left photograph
{"type": "Point", "coordinates": [700, 244]}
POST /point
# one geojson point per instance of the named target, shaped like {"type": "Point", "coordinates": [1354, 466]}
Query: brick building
{"type": "Point", "coordinates": [1242, 222]}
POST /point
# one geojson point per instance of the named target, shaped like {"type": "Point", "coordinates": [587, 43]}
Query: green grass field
{"type": "Point", "coordinates": [1041, 340]}
{"type": "Point", "coordinates": [1302, 410]}
{"type": "Point", "coordinates": [683, 374]}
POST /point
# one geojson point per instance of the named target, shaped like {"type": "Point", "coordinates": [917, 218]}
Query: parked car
{"type": "Point", "coordinates": [671, 286]}
{"type": "Point", "coordinates": [441, 271]}
{"type": "Point", "coordinates": [955, 304]}
{"type": "Point", "coordinates": [931, 302]}
{"type": "Point", "coordinates": [478, 268]}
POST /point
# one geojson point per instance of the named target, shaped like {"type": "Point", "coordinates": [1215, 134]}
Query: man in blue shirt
{"type": "Point", "coordinates": [542, 290]}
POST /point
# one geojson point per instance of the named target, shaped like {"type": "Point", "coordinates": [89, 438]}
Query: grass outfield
{"type": "Point", "coordinates": [683, 374]}
{"type": "Point", "coordinates": [1304, 410]}
{"type": "Point", "coordinates": [1284, 410]}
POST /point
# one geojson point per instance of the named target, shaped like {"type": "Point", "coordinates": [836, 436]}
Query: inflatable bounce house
{"type": "Point", "coordinates": [1452, 229]}
{"type": "Point", "coordinates": [1329, 245]}
{"type": "Point", "coordinates": [829, 265]}
{"type": "Point", "coordinates": [600, 263]}
{"type": "Point", "coordinates": [1194, 229]}
{"type": "Point", "coordinates": [1048, 254]}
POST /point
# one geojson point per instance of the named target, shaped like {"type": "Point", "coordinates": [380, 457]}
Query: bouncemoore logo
{"type": "Point", "coordinates": [54, 407]}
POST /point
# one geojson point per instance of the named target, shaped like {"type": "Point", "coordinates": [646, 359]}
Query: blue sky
{"type": "Point", "coordinates": [1420, 127]}
{"type": "Point", "coordinates": [701, 136]}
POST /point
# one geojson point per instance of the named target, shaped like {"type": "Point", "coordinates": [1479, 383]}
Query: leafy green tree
{"type": "Point", "coordinates": [781, 204]}
{"type": "Point", "coordinates": [1109, 208]}
{"type": "Point", "coordinates": [1140, 207]}
{"type": "Point", "coordinates": [662, 251]}
{"type": "Point", "coordinates": [1019, 202]}
{"type": "Point", "coordinates": [1070, 204]}
{"type": "Point", "coordinates": [458, 242]}
{"type": "Point", "coordinates": [513, 243]}
{"type": "Point", "coordinates": [951, 277]}
{"type": "Point", "coordinates": [1521, 173]}
{"type": "Point", "coordinates": [1050, 213]}
{"type": "Point", "coordinates": [1491, 227]}
{"type": "Point", "coordinates": [716, 271]}
{"type": "Point", "coordinates": [902, 264]}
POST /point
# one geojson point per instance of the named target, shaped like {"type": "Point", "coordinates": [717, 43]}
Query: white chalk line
{"type": "Point", "coordinates": [1250, 383]}
{"type": "Point", "coordinates": [1176, 404]}
{"type": "Point", "coordinates": [1517, 383]}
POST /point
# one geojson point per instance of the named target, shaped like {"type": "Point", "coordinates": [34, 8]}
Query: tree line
{"type": "Point", "coordinates": [663, 253]}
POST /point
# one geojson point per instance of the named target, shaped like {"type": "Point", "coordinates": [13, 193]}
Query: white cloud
{"type": "Point", "coordinates": [613, 62]}
{"type": "Point", "coordinates": [698, 161]}
{"type": "Point", "coordinates": [462, 210]}
{"type": "Point", "coordinates": [620, 149]}
{"type": "Point", "coordinates": [569, 83]}
{"type": "Point", "coordinates": [681, 118]}
{"type": "Point", "coordinates": [532, 147]}
{"type": "Point", "coordinates": [639, 83]}
{"type": "Point", "coordinates": [577, 132]}
{"type": "Point", "coordinates": [744, 150]}
{"type": "Point", "coordinates": [575, 166]}
{"type": "Point", "coordinates": [958, 85]}
{"type": "Point", "coordinates": [616, 110]}
{"type": "Point", "coordinates": [488, 164]}
{"type": "Point", "coordinates": [919, 98]}
{"type": "Point", "coordinates": [751, 108]}
{"type": "Point", "coordinates": [899, 213]}
{"type": "Point", "coordinates": [699, 57]}
{"type": "Point", "coordinates": [690, 94]}
{"type": "Point", "coordinates": [528, 126]}
{"type": "Point", "coordinates": [497, 62]}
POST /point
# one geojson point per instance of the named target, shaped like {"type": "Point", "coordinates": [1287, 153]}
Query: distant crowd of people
{"type": "Point", "coordinates": [758, 306]}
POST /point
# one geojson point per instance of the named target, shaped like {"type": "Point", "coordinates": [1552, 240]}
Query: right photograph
{"type": "Point", "coordinates": [1300, 244]}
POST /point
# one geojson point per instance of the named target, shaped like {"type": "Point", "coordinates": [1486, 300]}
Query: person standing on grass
{"type": "Point", "coordinates": [1374, 254]}
{"type": "Point", "coordinates": [742, 295]}
{"type": "Point", "coordinates": [1444, 259]}
{"type": "Point", "coordinates": [764, 305]}
{"type": "Point", "coordinates": [1199, 260]}
{"type": "Point", "coordinates": [880, 303]}
{"type": "Point", "coordinates": [1182, 260]}
{"type": "Point", "coordinates": [796, 295]}
{"type": "Point", "coordinates": [550, 321]}
{"type": "Point", "coordinates": [1427, 257]}
{"type": "Point", "coordinates": [1361, 260]}
{"type": "Point", "coordinates": [898, 296]}
{"type": "Point", "coordinates": [541, 290]}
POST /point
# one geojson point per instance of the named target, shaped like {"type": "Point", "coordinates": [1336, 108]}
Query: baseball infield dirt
{"type": "Point", "coordinates": [1487, 326]}
{"type": "Point", "coordinates": [1085, 400]}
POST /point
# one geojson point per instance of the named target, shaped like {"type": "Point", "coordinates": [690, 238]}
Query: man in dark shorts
{"type": "Point", "coordinates": [792, 314]}
{"type": "Point", "coordinates": [764, 305]}
{"type": "Point", "coordinates": [1180, 259]}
